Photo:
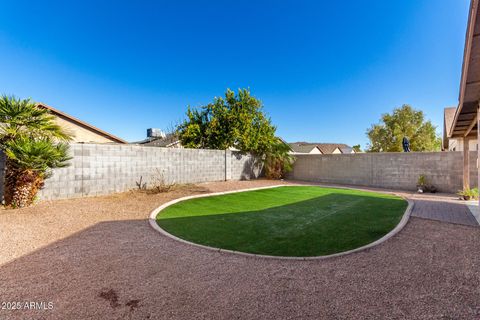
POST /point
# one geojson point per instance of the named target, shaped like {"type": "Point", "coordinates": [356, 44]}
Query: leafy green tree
{"type": "Point", "coordinates": [235, 121]}
{"type": "Point", "coordinates": [407, 122]}
{"type": "Point", "coordinates": [33, 144]}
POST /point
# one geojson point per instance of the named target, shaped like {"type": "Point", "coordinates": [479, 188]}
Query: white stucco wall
{"type": "Point", "coordinates": [81, 134]}
{"type": "Point", "coordinates": [457, 145]}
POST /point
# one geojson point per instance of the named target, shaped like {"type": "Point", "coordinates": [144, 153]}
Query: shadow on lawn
{"type": "Point", "coordinates": [322, 225]}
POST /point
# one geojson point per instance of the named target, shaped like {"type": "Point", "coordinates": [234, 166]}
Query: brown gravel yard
{"type": "Point", "coordinates": [98, 258]}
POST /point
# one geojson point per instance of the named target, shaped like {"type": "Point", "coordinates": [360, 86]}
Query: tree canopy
{"type": "Point", "coordinates": [403, 122]}
{"type": "Point", "coordinates": [357, 148]}
{"type": "Point", "coordinates": [237, 121]}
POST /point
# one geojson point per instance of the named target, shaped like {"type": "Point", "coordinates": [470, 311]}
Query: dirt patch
{"type": "Point", "coordinates": [111, 296]}
{"type": "Point", "coordinates": [133, 304]}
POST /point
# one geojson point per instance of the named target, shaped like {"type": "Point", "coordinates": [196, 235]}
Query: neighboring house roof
{"type": "Point", "coordinates": [171, 140]}
{"type": "Point", "coordinates": [325, 148]}
{"type": "Point", "coordinates": [168, 141]}
{"type": "Point", "coordinates": [81, 123]}
{"type": "Point", "coordinates": [346, 149]}
{"type": "Point", "coordinates": [328, 148]}
{"type": "Point", "coordinates": [302, 147]}
{"type": "Point", "coordinates": [448, 116]}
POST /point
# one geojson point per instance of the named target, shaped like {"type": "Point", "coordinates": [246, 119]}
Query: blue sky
{"type": "Point", "coordinates": [325, 70]}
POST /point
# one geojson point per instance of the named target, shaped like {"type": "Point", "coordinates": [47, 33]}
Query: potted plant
{"type": "Point", "coordinates": [468, 194]}
{"type": "Point", "coordinates": [421, 183]}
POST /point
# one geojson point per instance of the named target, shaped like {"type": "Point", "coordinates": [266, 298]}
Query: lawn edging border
{"type": "Point", "coordinates": [406, 216]}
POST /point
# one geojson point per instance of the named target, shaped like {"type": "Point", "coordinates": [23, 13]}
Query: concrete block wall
{"type": "Point", "coordinates": [98, 169]}
{"type": "Point", "coordinates": [245, 167]}
{"type": "Point", "coordinates": [387, 170]}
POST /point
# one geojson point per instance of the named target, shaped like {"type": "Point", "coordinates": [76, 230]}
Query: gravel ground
{"type": "Point", "coordinates": [98, 258]}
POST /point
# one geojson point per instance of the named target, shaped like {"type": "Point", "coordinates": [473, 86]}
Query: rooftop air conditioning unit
{"type": "Point", "coordinates": [155, 133]}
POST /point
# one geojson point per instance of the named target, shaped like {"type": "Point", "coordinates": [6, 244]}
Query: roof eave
{"type": "Point", "coordinates": [466, 60]}
{"type": "Point", "coordinates": [82, 123]}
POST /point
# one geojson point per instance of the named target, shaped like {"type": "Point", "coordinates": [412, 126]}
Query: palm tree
{"type": "Point", "coordinates": [31, 162]}
{"type": "Point", "coordinates": [278, 160]}
{"type": "Point", "coordinates": [24, 118]}
{"type": "Point", "coordinates": [33, 144]}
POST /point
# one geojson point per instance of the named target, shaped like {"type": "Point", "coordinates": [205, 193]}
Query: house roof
{"type": "Point", "coordinates": [167, 141]}
{"type": "Point", "coordinates": [302, 147]}
{"type": "Point", "coordinates": [448, 116]}
{"type": "Point", "coordinates": [465, 121]}
{"type": "Point", "coordinates": [81, 123]}
{"type": "Point", "coordinates": [325, 148]}
{"type": "Point", "coordinates": [347, 149]}
{"type": "Point", "coordinates": [328, 148]}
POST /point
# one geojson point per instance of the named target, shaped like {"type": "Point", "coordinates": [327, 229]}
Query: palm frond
{"type": "Point", "coordinates": [38, 155]}
{"type": "Point", "coordinates": [22, 117]}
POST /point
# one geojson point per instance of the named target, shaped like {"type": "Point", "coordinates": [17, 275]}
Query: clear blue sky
{"type": "Point", "coordinates": [325, 70]}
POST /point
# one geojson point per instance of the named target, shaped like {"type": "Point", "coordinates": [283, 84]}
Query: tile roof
{"type": "Point", "coordinates": [328, 148]}
{"type": "Point", "coordinates": [325, 148]}
{"type": "Point", "coordinates": [302, 147]}
{"type": "Point", "coordinates": [169, 140]}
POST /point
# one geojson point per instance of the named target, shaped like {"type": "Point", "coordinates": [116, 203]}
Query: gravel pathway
{"type": "Point", "coordinates": [98, 258]}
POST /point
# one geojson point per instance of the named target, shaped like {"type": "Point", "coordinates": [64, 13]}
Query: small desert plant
{"type": "Point", "coordinates": [159, 184]}
{"type": "Point", "coordinates": [468, 194]}
{"type": "Point", "coordinates": [424, 186]}
{"type": "Point", "coordinates": [421, 183]}
{"type": "Point", "coordinates": [140, 184]}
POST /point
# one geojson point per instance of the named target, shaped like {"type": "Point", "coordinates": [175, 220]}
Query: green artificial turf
{"type": "Point", "coordinates": [285, 221]}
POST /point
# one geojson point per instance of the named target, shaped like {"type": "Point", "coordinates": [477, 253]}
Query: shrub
{"type": "Point", "coordinates": [278, 160]}
{"type": "Point", "coordinates": [159, 184]}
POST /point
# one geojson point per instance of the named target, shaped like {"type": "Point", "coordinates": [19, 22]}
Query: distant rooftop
{"type": "Point", "coordinates": [325, 148]}
{"type": "Point", "coordinates": [163, 142]}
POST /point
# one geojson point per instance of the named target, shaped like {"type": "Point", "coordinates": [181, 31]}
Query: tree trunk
{"type": "Point", "coordinates": [10, 181]}
{"type": "Point", "coordinates": [21, 187]}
